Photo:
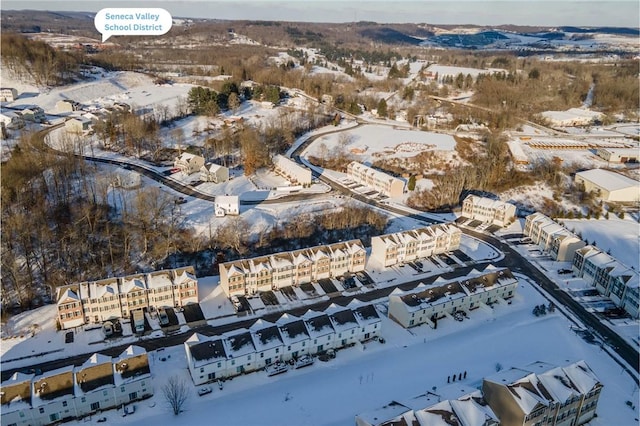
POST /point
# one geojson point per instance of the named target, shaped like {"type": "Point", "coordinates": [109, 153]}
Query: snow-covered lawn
{"type": "Point", "coordinates": [621, 237]}
{"type": "Point", "coordinates": [364, 378]}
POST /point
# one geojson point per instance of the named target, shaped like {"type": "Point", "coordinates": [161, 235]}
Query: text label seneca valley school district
{"type": "Point", "coordinates": [132, 26]}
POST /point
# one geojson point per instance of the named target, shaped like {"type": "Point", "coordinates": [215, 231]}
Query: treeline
{"type": "Point", "coordinates": [38, 60]}
{"type": "Point", "coordinates": [58, 225]}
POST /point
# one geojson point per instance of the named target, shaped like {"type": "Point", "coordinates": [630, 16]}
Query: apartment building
{"type": "Point", "coordinates": [610, 277]}
{"type": "Point", "coordinates": [458, 405]}
{"type": "Point", "coordinates": [8, 94]}
{"type": "Point", "coordinates": [292, 171]}
{"type": "Point", "coordinates": [290, 337]}
{"type": "Point", "coordinates": [111, 298]}
{"type": "Point", "coordinates": [542, 393]}
{"type": "Point", "coordinates": [553, 238]}
{"type": "Point", "coordinates": [488, 211]}
{"type": "Point", "coordinates": [426, 304]}
{"type": "Point", "coordinates": [375, 179]}
{"type": "Point", "coordinates": [67, 393]}
{"type": "Point", "coordinates": [272, 272]}
{"type": "Point", "coordinates": [400, 247]}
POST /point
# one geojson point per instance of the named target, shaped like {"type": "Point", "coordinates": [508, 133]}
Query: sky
{"type": "Point", "coordinates": [625, 13]}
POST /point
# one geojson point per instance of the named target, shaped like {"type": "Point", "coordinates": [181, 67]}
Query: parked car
{"type": "Point", "coordinates": [204, 390]}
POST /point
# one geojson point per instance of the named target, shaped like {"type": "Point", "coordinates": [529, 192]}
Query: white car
{"type": "Point", "coordinates": [204, 390]}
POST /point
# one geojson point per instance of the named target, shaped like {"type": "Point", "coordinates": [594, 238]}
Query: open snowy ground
{"type": "Point", "coordinates": [619, 236]}
{"type": "Point", "coordinates": [411, 362]}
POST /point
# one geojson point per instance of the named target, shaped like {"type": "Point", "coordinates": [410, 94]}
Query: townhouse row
{"type": "Point", "coordinates": [72, 392]}
{"type": "Point", "coordinates": [488, 211]}
{"type": "Point", "coordinates": [292, 171]}
{"type": "Point", "coordinates": [427, 304]}
{"type": "Point", "coordinates": [610, 277]}
{"type": "Point", "coordinates": [112, 298]}
{"type": "Point", "coordinates": [406, 246]}
{"type": "Point", "coordinates": [290, 337]}
{"type": "Point", "coordinates": [553, 238]}
{"type": "Point", "coordinates": [538, 394]}
{"type": "Point", "coordinates": [375, 179]}
{"type": "Point", "coordinates": [272, 272]}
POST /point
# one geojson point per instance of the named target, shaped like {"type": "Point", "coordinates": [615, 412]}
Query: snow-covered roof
{"type": "Point", "coordinates": [227, 199]}
{"type": "Point", "coordinates": [132, 351]}
{"type": "Point", "coordinates": [96, 359]}
{"type": "Point", "coordinates": [608, 180]}
{"type": "Point", "coordinates": [159, 279]}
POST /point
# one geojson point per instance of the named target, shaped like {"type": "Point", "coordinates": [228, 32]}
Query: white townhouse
{"type": "Point", "coordinates": [458, 405]}
{"type": "Point", "coordinates": [427, 304]}
{"type": "Point", "coordinates": [189, 163]}
{"type": "Point", "coordinates": [78, 125]}
{"type": "Point", "coordinates": [11, 119]}
{"type": "Point", "coordinates": [272, 272]}
{"type": "Point", "coordinates": [553, 238]}
{"type": "Point", "coordinates": [226, 205]}
{"type": "Point", "coordinates": [113, 298]}
{"type": "Point", "coordinates": [67, 393]}
{"type": "Point", "coordinates": [295, 337]}
{"type": "Point", "coordinates": [488, 211]}
{"type": "Point", "coordinates": [379, 181]}
{"type": "Point", "coordinates": [320, 330]}
{"type": "Point", "coordinates": [206, 358]}
{"type": "Point", "coordinates": [405, 246]}
{"type": "Point", "coordinates": [542, 393]}
{"type": "Point", "coordinates": [345, 324]}
{"type": "Point", "coordinates": [264, 343]}
{"type": "Point", "coordinates": [67, 105]}
{"type": "Point", "coordinates": [31, 113]}
{"type": "Point", "coordinates": [610, 277]}
{"type": "Point", "coordinates": [241, 354]}
{"type": "Point", "coordinates": [215, 173]}
{"type": "Point", "coordinates": [292, 171]}
{"type": "Point", "coordinates": [268, 343]}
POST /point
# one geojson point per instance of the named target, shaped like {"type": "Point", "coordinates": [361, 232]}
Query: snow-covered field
{"type": "Point", "coordinates": [620, 237]}
{"type": "Point", "coordinates": [364, 378]}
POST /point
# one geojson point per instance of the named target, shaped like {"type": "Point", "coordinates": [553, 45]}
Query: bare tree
{"type": "Point", "coordinates": [176, 393]}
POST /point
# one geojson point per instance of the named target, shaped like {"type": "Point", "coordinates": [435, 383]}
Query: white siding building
{"type": "Point", "coordinates": [292, 171]}
{"type": "Point", "coordinates": [489, 211]}
{"type": "Point", "coordinates": [189, 163]}
{"type": "Point", "coordinates": [264, 343]}
{"type": "Point", "coordinates": [8, 94]}
{"type": "Point", "coordinates": [215, 173]}
{"type": "Point", "coordinates": [101, 383]}
{"type": "Point", "coordinates": [375, 179]}
{"type": "Point", "coordinates": [226, 205]}
{"type": "Point", "coordinates": [400, 247]}
{"type": "Point", "coordinates": [427, 304]}
{"type": "Point", "coordinates": [619, 155]}
{"type": "Point", "coordinates": [551, 237]}
{"type": "Point", "coordinates": [609, 186]}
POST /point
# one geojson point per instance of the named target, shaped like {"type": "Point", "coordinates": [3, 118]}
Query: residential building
{"type": "Point", "coordinates": [264, 343]}
{"type": "Point", "coordinates": [376, 180]}
{"type": "Point", "coordinates": [609, 186]}
{"type": "Point", "coordinates": [541, 393]}
{"type": "Point", "coordinates": [619, 155]}
{"type": "Point", "coordinates": [215, 173]}
{"type": "Point", "coordinates": [292, 171]}
{"type": "Point", "coordinates": [572, 117]}
{"type": "Point", "coordinates": [189, 163]}
{"type": "Point", "coordinates": [31, 113]}
{"type": "Point", "coordinates": [551, 237]}
{"type": "Point", "coordinates": [488, 211]}
{"type": "Point", "coordinates": [610, 277]}
{"type": "Point", "coordinates": [11, 119]}
{"type": "Point", "coordinates": [271, 272]}
{"type": "Point", "coordinates": [67, 105]}
{"type": "Point", "coordinates": [126, 179]}
{"type": "Point", "coordinates": [458, 405]}
{"type": "Point", "coordinates": [78, 125]}
{"type": "Point", "coordinates": [406, 246]}
{"type": "Point", "coordinates": [226, 205]}
{"type": "Point", "coordinates": [8, 94]}
{"type": "Point", "coordinates": [113, 298]}
{"type": "Point", "coordinates": [427, 304]}
{"type": "Point", "coordinates": [100, 383]}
